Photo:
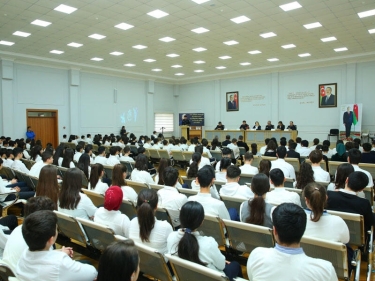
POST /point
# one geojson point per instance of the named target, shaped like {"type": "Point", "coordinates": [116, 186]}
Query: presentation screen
{"type": "Point", "coordinates": [196, 119]}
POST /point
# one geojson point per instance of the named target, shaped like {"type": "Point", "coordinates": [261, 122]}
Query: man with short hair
{"type": "Point", "coordinates": [78, 153]}
{"type": "Point", "coordinates": [244, 125]}
{"type": "Point", "coordinates": [247, 168]}
{"type": "Point", "coordinates": [304, 149]}
{"type": "Point", "coordinates": [227, 140]}
{"type": "Point", "coordinates": [316, 157]}
{"type": "Point", "coordinates": [354, 157]}
{"type": "Point", "coordinates": [88, 139]}
{"type": "Point", "coordinates": [368, 156]}
{"type": "Point", "coordinates": [232, 188]}
{"type": "Point", "coordinates": [169, 197]}
{"type": "Point", "coordinates": [126, 157]}
{"type": "Point", "coordinates": [315, 143]}
{"type": "Point", "coordinates": [214, 207]}
{"type": "Point", "coordinates": [101, 157]}
{"type": "Point", "coordinates": [287, 168]}
{"type": "Point", "coordinates": [269, 126]}
{"type": "Point", "coordinates": [219, 126]}
{"type": "Point", "coordinates": [194, 143]}
{"type": "Point", "coordinates": [113, 159]}
{"type": "Point", "coordinates": [39, 262]}
{"type": "Point", "coordinates": [279, 194]}
{"type": "Point", "coordinates": [47, 159]}
{"type": "Point", "coordinates": [241, 143]}
{"type": "Point", "coordinates": [233, 146]}
{"type": "Point", "coordinates": [287, 261]}
{"type": "Point", "coordinates": [292, 153]}
{"type": "Point", "coordinates": [17, 164]}
{"type": "Point", "coordinates": [346, 200]}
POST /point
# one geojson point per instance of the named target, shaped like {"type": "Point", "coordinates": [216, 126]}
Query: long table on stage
{"type": "Point", "coordinates": [250, 136]}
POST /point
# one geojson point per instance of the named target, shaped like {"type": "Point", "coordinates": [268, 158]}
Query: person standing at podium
{"type": "Point", "coordinates": [269, 126]}
{"type": "Point", "coordinates": [219, 126]}
{"type": "Point", "coordinates": [244, 125]}
{"type": "Point", "coordinates": [185, 122]}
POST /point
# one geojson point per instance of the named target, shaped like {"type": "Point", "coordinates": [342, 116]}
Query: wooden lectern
{"type": "Point", "coordinates": [185, 131]}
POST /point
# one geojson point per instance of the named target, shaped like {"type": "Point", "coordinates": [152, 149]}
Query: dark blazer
{"type": "Point", "coordinates": [232, 105]}
{"type": "Point", "coordinates": [225, 143]}
{"type": "Point", "coordinates": [259, 127]}
{"type": "Point", "coordinates": [328, 101]}
{"type": "Point", "coordinates": [294, 127]}
{"type": "Point", "coordinates": [281, 127]}
{"type": "Point", "coordinates": [219, 127]}
{"type": "Point", "coordinates": [243, 144]}
{"type": "Point", "coordinates": [347, 118]}
{"type": "Point", "coordinates": [244, 127]}
{"type": "Point", "coordinates": [270, 153]}
{"type": "Point", "coordinates": [338, 158]}
{"type": "Point", "coordinates": [368, 157]}
{"type": "Point", "coordinates": [293, 154]}
{"type": "Point", "coordinates": [269, 127]}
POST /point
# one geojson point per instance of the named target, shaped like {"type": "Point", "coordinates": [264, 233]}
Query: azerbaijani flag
{"type": "Point", "coordinates": [355, 114]}
{"type": "Point", "coordinates": [236, 100]}
{"type": "Point", "coordinates": [322, 93]}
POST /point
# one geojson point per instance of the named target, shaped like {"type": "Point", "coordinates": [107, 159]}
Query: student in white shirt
{"type": "Point", "coordinates": [247, 168]}
{"type": "Point", "coordinates": [101, 157]}
{"type": "Point", "coordinates": [71, 201]}
{"type": "Point", "coordinates": [8, 161]}
{"type": "Point", "coordinates": [37, 167]}
{"type": "Point", "coordinates": [110, 215]}
{"type": "Point", "coordinates": [176, 146]}
{"type": "Point", "coordinates": [88, 139]}
{"type": "Point", "coordinates": [279, 195]}
{"type": "Point", "coordinates": [354, 157]}
{"type": "Point", "coordinates": [17, 163]}
{"type": "Point", "coordinates": [224, 164]}
{"type": "Point", "coordinates": [113, 159]}
{"type": "Point", "coordinates": [304, 149]}
{"type": "Point", "coordinates": [118, 178]}
{"type": "Point", "coordinates": [78, 153]}
{"type": "Point", "coordinates": [183, 145]}
{"type": "Point", "coordinates": [125, 156]}
{"type": "Point", "coordinates": [316, 157]}
{"type": "Point", "coordinates": [193, 144]}
{"type": "Point", "coordinates": [262, 150]}
{"type": "Point", "coordinates": [95, 182]}
{"type": "Point", "coordinates": [233, 146]}
{"type": "Point", "coordinates": [206, 150]}
{"type": "Point", "coordinates": [232, 188]}
{"type": "Point", "coordinates": [39, 262]}
{"type": "Point", "coordinates": [226, 153]}
{"type": "Point", "coordinates": [147, 143]}
{"type": "Point", "coordinates": [169, 197]}
{"type": "Point", "coordinates": [315, 143]}
{"type": "Point", "coordinates": [47, 184]}
{"type": "Point", "coordinates": [67, 161]}
{"type": "Point", "coordinates": [280, 163]}
{"type": "Point", "coordinates": [140, 172]}
{"type": "Point", "coordinates": [84, 164]}
{"type": "Point", "coordinates": [342, 173]}
{"type": "Point", "coordinates": [145, 228]}
{"type": "Point", "coordinates": [204, 160]}
{"type": "Point", "coordinates": [187, 243]}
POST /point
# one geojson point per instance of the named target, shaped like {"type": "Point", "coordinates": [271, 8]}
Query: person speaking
{"type": "Point", "coordinates": [348, 121]}
{"type": "Point", "coordinates": [185, 121]}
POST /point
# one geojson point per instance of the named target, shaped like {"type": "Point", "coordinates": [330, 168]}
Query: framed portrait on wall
{"type": "Point", "coordinates": [327, 95]}
{"type": "Point", "coordinates": [232, 101]}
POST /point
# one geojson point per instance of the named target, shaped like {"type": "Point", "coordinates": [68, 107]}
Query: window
{"type": "Point", "coordinates": [165, 121]}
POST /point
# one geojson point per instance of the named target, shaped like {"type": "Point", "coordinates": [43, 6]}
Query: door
{"type": "Point", "coordinates": [44, 123]}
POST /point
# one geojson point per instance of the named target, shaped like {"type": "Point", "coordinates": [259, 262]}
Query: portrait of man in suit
{"type": "Point", "coordinates": [328, 95]}
{"type": "Point", "coordinates": [232, 101]}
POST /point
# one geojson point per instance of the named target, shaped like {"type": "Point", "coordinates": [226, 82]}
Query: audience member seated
{"type": "Point", "coordinates": [110, 215]}
{"type": "Point", "coordinates": [95, 182]}
{"type": "Point", "coordinates": [247, 168]}
{"type": "Point", "coordinates": [316, 157]}
{"type": "Point", "coordinates": [71, 201]}
{"type": "Point", "coordinates": [119, 261]}
{"type": "Point", "coordinates": [279, 195]}
{"type": "Point", "coordinates": [280, 126]}
{"type": "Point", "coordinates": [340, 155]}
{"type": "Point", "coordinates": [304, 149]}
{"type": "Point", "coordinates": [169, 196]}
{"type": "Point", "coordinates": [113, 157]}
{"type": "Point", "coordinates": [190, 245]}
{"type": "Point", "coordinates": [262, 150]}
{"type": "Point", "coordinates": [39, 262]}
{"type": "Point", "coordinates": [292, 153]}
{"type": "Point", "coordinates": [145, 228]}
{"type": "Point", "coordinates": [292, 126]}
{"type": "Point", "coordinates": [289, 222]}
{"type": "Point", "coordinates": [224, 164]}
{"type": "Point", "coordinates": [47, 159]}
{"type": "Point", "coordinates": [17, 164]}
{"type": "Point", "coordinates": [320, 224]}
{"type": "Point", "coordinates": [280, 163]}
{"type": "Point", "coordinates": [140, 172]}
{"type": "Point", "coordinates": [36, 153]}
{"type": "Point", "coordinates": [256, 210]}
{"type": "Point", "coordinates": [226, 153]}
{"type": "Point", "coordinates": [305, 176]}
{"type": "Point", "coordinates": [118, 179]}
{"type": "Point", "coordinates": [368, 156]}
{"type": "Point", "coordinates": [269, 126]}
{"type": "Point", "coordinates": [244, 126]}
{"type": "Point", "coordinates": [67, 161]}
{"type": "Point", "coordinates": [47, 184]}
{"type": "Point", "coordinates": [78, 153]}
{"type": "Point", "coordinates": [315, 143]}
{"type": "Point", "coordinates": [233, 146]}
{"type": "Point", "coordinates": [270, 149]}
{"type": "Point", "coordinates": [241, 143]}
{"type": "Point", "coordinates": [215, 145]}
{"type": "Point", "coordinates": [265, 167]}
{"type": "Point", "coordinates": [232, 188]}
{"type": "Point", "coordinates": [257, 126]}
{"type": "Point", "coordinates": [227, 141]}
{"type": "Point", "coordinates": [354, 157]}
{"type": "Point", "coordinates": [84, 164]}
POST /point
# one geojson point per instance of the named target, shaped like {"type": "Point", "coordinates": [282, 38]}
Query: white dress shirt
{"type": "Point", "coordinates": [204, 161]}
{"type": "Point", "coordinates": [85, 208]}
{"type": "Point", "coordinates": [320, 174]}
{"type": "Point", "coordinates": [172, 200]}
{"type": "Point", "coordinates": [18, 165]}
{"type": "Point", "coordinates": [127, 159]}
{"type": "Point", "coordinates": [211, 206]}
{"type": "Point", "coordinates": [233, 189]}
{"type": "Point", "coordinates": [129, 193]}
{"type": "Point", "coordinates": [141, 176]}
{"type": "Point", "coordinates": [370, 180]}
{"type": "Point", "coordinates": [36, 168]}
{"type": "Point", "coordinates": [14, 248]}
{"type": "Point", "coordinates": [115, 220]}
{"type": "Point", "coordinates": [235, 149]}
{"type": "Point", "coordinates": [112, 160]}
{"type": "Point", "coordinates": [100, 187]}
{"type": "Point", "coordinates": [287, 168]}
{"type": "Point", "coordinates": [100, 160]}
{"type": "Point", "coordinates": [262, 150]}
{"type": "Point", "coordinates": [248, 169]}
{"type": "Point", "coordinates": [279, 195]}
{"type": "Point", "coordinates": [77, 155]}
{"type": "Point", "coordinates": [303, 151]}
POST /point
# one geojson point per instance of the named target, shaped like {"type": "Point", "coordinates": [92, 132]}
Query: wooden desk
{"type": "Point", "coordinates": [210, 134]}
{"type": "Point", "coordinates": [261, 135]}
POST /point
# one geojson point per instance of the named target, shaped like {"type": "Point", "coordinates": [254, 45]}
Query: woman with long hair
{"type": "Point", "coordinates": [71, 201]}
{"type": "Point", "coordinates": [271, 149]}
{"type": "Point", "coordinates": [145, 228]}
{"type": "Point", "coordinates": [256, 210]}
{"type": "Point", "coordinates": [188, 244]}
{"type": "Point", "coordinates": [305, 176]}
{"type": "Point", "coordinates": [215, 145]}
{"type": "Point", "coordinates": [320, 224]}
{"type": "Point", "coordinates": [164, 163]}
{"type": "Point", "coordinates": [119, 261]}
{"type": "Point", "coordinates": [84, 164]}
{"type": "Point", "coordinates": [342, 173]}
{"type": "Point", "coordinates": [224, 164]}
{"type": "Point", "coordinates": [118, 178]}
{"type": "Point", "coordinates": [47, 184]}
{"type": "Point", "coordinates": [67, 161]}
{"type": "Point", "coordinates": [95, 181]}
{"type": "Point", "coordinates": [36, 153]}
{"type": "Point", "coordinates": [265, 167]}
{"type": "Point", "coordinates": [59, 153]}
{"type": "Point", "coordinates": [140, 172]}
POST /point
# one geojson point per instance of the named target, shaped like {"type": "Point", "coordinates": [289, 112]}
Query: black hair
{"type": "Point", "coordinates": [248, 156]}
{"type": "Point", "coordinates": [305, 175]}
{"type": "Point", "coordinates": [367, 147]}
{"type": "Point", "coordinates": [68, 157]}
{"type": "Point", "coordinates": [292, 145]}
{"type": "Point", "coordinates": [84, 164]}
{"type": "Point", "coordinates": [233, 172]}
{"type": "Point", "coordinates": [316, 195]}
{"type": "Point", "coordinates": [260, 185]}
{"type": "Point", "coordinates": [146, 204]}
{"type": "Point", "coordinates": [277, 177]}
{"type": "Point", "coordinates": [95, 174]}
{"type": "Point", "coordinates": [193, 169]}
{"type": "Point", "coordinates": [17, 151]}
{"type": "Point", "coordinates": [205, 176]}
{"type": "Point", "coordinates": [281, 152]}
{"type": "Point", "coordinates": [170, 176]}
{"type": "Point", "coordinates": [38, 203]}
{"type": "Point", "coordinates": [226, 151]}
{"type": "Point", "coordinates": [225, 163]}
{"type": "Point", "coordinates": [305, 143]}
{"type": "Point", "coordinates": [354, 155]}
{"type": "Point", "coordinates": [316, 156]}
{"type": "Point", "coordinates": [357, 181]}
{"type": "Point", "coordinates": [46, 155]}
{"type": "Point", "coordinates": [141, 163]}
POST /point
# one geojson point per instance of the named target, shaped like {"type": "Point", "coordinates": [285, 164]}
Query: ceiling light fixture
{"type": "Point", "coordinates": [6, 43]}
{"type": "Point", "coordinates": [116, 53]}
{"type": "Point", "coordinates": [149, 60]}
{"type": "Point", "coordinates": [199, 70]}
{"type": "Point", "coordinates": [97, 59]}
{"type": "Point", "coordinates": [225, 57]}
{"type": "Point", "coordinates": [176, 66]}
{"type": "Point", "coordinates": [371, 31]}
{"type": "Point", "coordinates": [290, 6]}
{"type": "Point", "coordinates": [231, 42]}
{"type": "Point", "coordinates": [255, 52]}
{"type": "Point", "coordinates": [312, 25]}
{"type": "Point", "coordinates": [366, 13]}
{"type": "Point", "coordinates": [97, 36]}
{"type": "Point", "coordinates": [22, 34]}
{"type": "Point", "coordinates": [199, 49]}
{"type": "Point", "coordinates": [273, 59]}
{"type": "Point", "coordinates": [304, 55]}
{"type": "Point", "coordinates": [240, 19]}
{"type": "Point", "coordinates": [340, 49]}
{"type": "Point", "coordinates": [200, 1]}
{"type": "Point", "coordinates": [199, 61]}
{"type": "Point", "coordinates": [200, 30]}
{"type": "Point", "coordinates": [179, 74]}
{"type": "Point", "coordinates": [220, 67]}
{"type": "Point", "coordinates": [124, 26]}
{"type": "Point", "coordinates": [328, 39]}
{"type": "Point", "coordinates": [57, 52]}
{"type": "Point", "coordinates": [65, 9]}
{"type": "Point", "coordinates": [129, 64]}
{"type": "Point", "coordinates": [245, 63]}
{"type": "Point", "coordinates": [289, 46]}
{"type": "Point", "coordinates": [41, 23]}
{"type": "Point", "coordinates": [75, 45]}
{"type": "Point", "coordinates": [172, 55]}
{"type": "Point", "coordinates": [267, 35]}
{"type": "Point", "coordinates": [156, 69]}
{"type": "Point", "coordinates": [157, 14]}
{"type": "Point", "coordinates": [139, 47]}
{"type": "Point", "coordinates": [167, 39]}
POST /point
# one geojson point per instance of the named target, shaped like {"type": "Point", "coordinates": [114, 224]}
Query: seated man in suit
{"type": "Point", "coordinates": [241, 143]}
{"type": "Point", "coordinates": [289, 224]}
{"type": "Point", "coordinates": [232, 105]}
{"type": "Point", "coordinates": [219, 126]}
{"type": "Point", "coordinates": [292, 126]}
{"type": "Point", "coordinates": [292, 153]}
{"type": "Point", "coordinates": [269, 126]}
{"type": "Point", "coordinates": [244, 125]}
{"type": "Point", "coordinates": [227, 141]}
{"type": "Point", "coordinates": [368, 156]}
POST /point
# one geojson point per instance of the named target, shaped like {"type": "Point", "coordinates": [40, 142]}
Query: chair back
{"type": "Point", "coordinates": [4, 206]}
{"type": "Point", "coordinates": [127, 207]}
{"type": "Point", "coordinates": [34, 180]}
{"type": "Point", "coordinates": [323, 183]}
{"type": "Point", "coordinates": [188, 192]}
{"type": "Point", "coordinates": [7, 172]}
{"type": "Point", "coordinates": [256, 161]}
{"type": "Point", "coordinates": [154, 153]}
{"type": "Point", "coordinates": [334, 132]}
{"type": "Point", "coordinates": [188, 155]}
{"type": "Point", "coordinates": [369, 194]}
{"type": "Point", "coordinates": [133, 149]}
{"type": "Point", "coordinates": [212, 226]}
{"type": "Point", "coordinates": [137, 186]}
{"type": "Point", "coordinates": [70, 227]}
{"type": "Point", "coordinates": [294, 162]}
{"type": "Point", "coordinates": [28, 163]}
{"type": "Point", "coordinates": [242, 151]}
{"type": "Point", "coordinates": [153, 263]}
{"type": "Point", "coordinates": [368, 167]}
{"type": "Point", "coordinates": [108, 171]}
{"type": "Point", "coordinates": [164, 154]}
{"type": "Point", "coordinates": [187, 180]}
{"type": "Point", "coordinates": [216, 154]}
{"type": "Point", "coordinates": [178, 156]}
{"type": "Point", "coordinates": [156, 187]}
{"type": "Point", "coordinates": [289, 182]}
{"type": "Point", "coordinates": [245, 178]}
{"type": "Point", "coordinates": [5, 272]}
{"type": "Point", "coordinates": [270, 158]}
{"type": "Point", "coordinates": [96, 198]}
{"type": "Point", "coordinates": [128, 165]}
{"type": "Point", "coordinates": [61, 171]}
{"type": "Point", "coordinates": [333, 252]}
{"type": "Point", "coordinates": [232, 202]}
{"type": "Point", "coordinates": [245, 237]}
{"type": "Point", "coordinates": [332, 167]}
{"type": "Point", "coordinates": [19, 175]}
{"type": "Point", "coordinates": [95, 148]}
{"type": "Point", "coordinates": [187, 271]}
{"type": "Point", "coordinates": [219, 184]}
{"type": "Point", "coordinates": [163, 215]}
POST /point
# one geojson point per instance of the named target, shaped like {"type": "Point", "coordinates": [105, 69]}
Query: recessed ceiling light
{"type": "Point", "coordinates": [97, 36]}
{"type": "Point", "coordinates": [172, 55]}
{"type": "Point", "coordinates": [97, 59]}
{"type": "Point", "coordinates": [366, 13]}
{"type": "Point", "coordinates": [199, 61]}
{"type": "Point", "coordinates": [124, 26]}
{"type": "Point", "coordinates": [273, 59]}
{"type": "Point", "coordinates": [200, 49]}
{"type": "Point", "coordinates": [76, 45]}
{"type": "Point", "coordinates": [22, 34]}
{"type": "Point", "coordinates": [167, 39]}
{"type": "Point", "coordinates": [340, 49]}
{"type": "Point", "coordinates": [158, 14]}
{"type": "Point", "coordinates": [57, 52]}
{"type": "Point", "coordinates": [240, 19]}
{"type": "Point", "coordinates": [179, 74]}
{"type": "Point", "coordinates": [200, 30]}
{"type": "Point", "coordinates": [255, 52]}
{"type": "Point", "coordinates": [267, 35]}
{"type": "Point", "coordinates": [156, 69]}
{"type": "Point", "coordinates": [231, 42]}
{"type": "Point", "coordinates": [65, 9]}
{"type": "Point", "coordinates": [6, 43]}
{"type": "Point", "coordinates": [129, 64]}
{"type": "Point", "coordinates": [225, 57]}
{"type": "Point", "coordinates": [140, 47]}
{"type": "Point", "coordinates": [41, 23]}
{"type": "Point", "coordinates": [149, 60]}
{"type": "Point", "coordinates": [289, 46]}
{"type": "Point", "coordinates": [176, 66]}
{"type": "Point", "coordinates": [290, 6]}
{"type": "Point", "coordinates": [199, 70]}
{"type": "Point", "coordinates": [328, 39]}
{"type": "Point", "coordinates": [200, 1]}
{"type": "Point", "coordinates": [116, 53]}
{"type": "Point", "coordinates": [371, 31]}
{"type": "Point", "coordinates": [220, 67]}
{"type": "Point", "coordinates": [304, 55]}
{"type": "Point", "coordinates": [245, 63]}
{"type": "Point", "coordinates": [312, 25]}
